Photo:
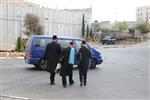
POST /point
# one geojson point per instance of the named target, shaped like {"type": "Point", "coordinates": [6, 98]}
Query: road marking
{"type": "Point", "coordinates": [14, 97]}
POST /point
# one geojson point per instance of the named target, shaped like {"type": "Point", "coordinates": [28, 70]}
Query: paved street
{"type": "Point", "coordinates": [124, 74]}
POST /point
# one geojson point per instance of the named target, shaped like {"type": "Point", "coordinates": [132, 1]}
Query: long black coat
{"type": "Point", "coordinates": [84, 56]}
{"type": "Point", "coordinates": [52, 55]}
{"type": "Point", "coordinates": [66, 68]}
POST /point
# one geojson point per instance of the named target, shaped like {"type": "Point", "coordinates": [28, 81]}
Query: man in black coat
{"type": "Point", "coordinates": [84, 56]}
{"type": "Point", "coordinates": [52, 55]}
{"type": "Point", "coordinates": [66, 69]}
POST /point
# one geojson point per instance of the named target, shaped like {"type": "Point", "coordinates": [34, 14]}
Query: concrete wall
{"type": "Point", "coordinates": [62, 22]}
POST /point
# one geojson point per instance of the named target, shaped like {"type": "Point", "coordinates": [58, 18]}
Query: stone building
{"type": "Point", "coordinates": [62, 22]}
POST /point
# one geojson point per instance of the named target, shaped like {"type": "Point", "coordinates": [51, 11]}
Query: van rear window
{"type": "Point", "coordinates": [42, 42]}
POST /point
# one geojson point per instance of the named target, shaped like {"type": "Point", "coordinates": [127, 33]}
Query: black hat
{"type": "Point", "coordinates": [71, 43]}
{"type": "Point", "coordinates": [54, 37]}
{"type": "Point", "coordinates": [83, 42]}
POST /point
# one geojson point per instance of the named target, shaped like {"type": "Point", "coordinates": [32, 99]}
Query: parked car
{"type": "Point", "coordinates": [35, 50]}
{"type": "Point", "coordinates": [108, 40]}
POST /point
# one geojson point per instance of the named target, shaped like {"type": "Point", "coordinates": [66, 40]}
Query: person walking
{"type": "Point", "coordinates": [84, 56]}
{"type": "Point", "coordinates": [67, 61]}
{"type": "Point", "coordinates": [52, 55]}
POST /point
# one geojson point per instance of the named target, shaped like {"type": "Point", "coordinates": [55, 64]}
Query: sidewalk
{"type": "Point", "coordinates": [9, 55]}
{"type": "Point", "coordinates": [100, 46]}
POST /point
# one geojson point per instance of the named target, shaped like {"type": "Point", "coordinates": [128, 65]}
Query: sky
{"type": "Point", "coordinates": [102, 10]}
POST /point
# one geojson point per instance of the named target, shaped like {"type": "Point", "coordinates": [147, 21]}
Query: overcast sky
{"type": "Point", "coordinates": [102, 10]}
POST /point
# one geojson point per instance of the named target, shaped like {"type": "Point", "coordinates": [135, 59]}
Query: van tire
{"type": "Point", "coordinates": [93, 64]}
{"type": "Point", "coordinates": [37, 67]}
{"type": "Point", "coordinates": [41, 65]}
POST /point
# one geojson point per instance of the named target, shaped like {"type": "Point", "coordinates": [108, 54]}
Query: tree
{"type": "Point", "coordinates": [33, 26]}
{"type": "Point", "coordinates": [19, 46]}
{"type": "Point", "coordinates": [83, 26]}
{"type": "Point", "coordinates": [87, 30]}
{"type": "Point", "coordinates": [97, 28]}
{"type": "Point", "coordinates": [91, 33]}
{"type": "Point", "coordinates": [144, 28]}
{"type": "Point", "coordinates": [101, 28]}
{"type": "Point", "coordinates": [121, 26]}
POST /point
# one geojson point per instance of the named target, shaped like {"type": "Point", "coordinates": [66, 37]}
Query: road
{"type": "Point", "coordinates": [124, 75]}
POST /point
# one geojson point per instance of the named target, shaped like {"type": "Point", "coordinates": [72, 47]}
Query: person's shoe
{"type": "Point", "coordinates": [84, 83]}
{"type": "Point", "coordinates": [52, 83]}
{"type": "Point", "coordinates": [81, 84]}
{"type": "Point", "coordinates": [64, 85]}
{"type": "Point", "coordinates": [72, 83]}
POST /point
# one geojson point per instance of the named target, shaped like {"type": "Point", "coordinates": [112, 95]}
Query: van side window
{"type": "Point", "coordinates": [42, 42]}
{"type": "Point", "coordinates": [78, 45]}
{"type": "Point", "coordinates": [64, 43]}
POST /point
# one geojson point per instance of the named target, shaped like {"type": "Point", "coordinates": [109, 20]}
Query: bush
{"type": "Point", "coordinates": [19, 45]}
{"type": "Point", "coordinates": [144, 28]}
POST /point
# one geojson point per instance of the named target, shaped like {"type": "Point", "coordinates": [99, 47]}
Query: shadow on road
{"type": "Point", "coordinates": [33, 69]}
{"type": "Point", "coordinates": [38, 69]}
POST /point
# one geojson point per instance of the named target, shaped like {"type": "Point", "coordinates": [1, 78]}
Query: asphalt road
{"type": "Point", "coordinates": [124, 75]}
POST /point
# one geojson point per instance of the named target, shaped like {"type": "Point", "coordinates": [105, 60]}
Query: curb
{"type": "Point", "coordinates": [14, 97]}
{"type": "Point", "coordinates": [118, 46]}
{"type": "Point", "coordinates": [11, 57]}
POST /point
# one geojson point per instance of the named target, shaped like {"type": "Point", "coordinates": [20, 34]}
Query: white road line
{"type": "Point", "coordinates": [14, 97]}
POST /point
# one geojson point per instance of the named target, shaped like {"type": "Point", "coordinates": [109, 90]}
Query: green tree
{"type": "Point", "coordinates": [121, 26]}
{"type": "Point", "coordinates": [97, 28]}
{"type": "Point", "coordinates": [91, 33]}
{"type": "Point", "coordinates": [87, 31]}
{"type": "Point", "coordinates": [101, 28]}
{"type": "Point", "coordinates": [32, 25]}
{"type": "Point", "coordinates": [83, 26]}
{"type": "Point", "coordinates": [19, 46]}
{"type": "Point", "coordinates": [144, 28]}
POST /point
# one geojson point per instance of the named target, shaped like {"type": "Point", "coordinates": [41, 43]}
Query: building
{"type": "Point", "coordinates": [62, 22]}
{"type": "Point", "coordinates": [143, 14]}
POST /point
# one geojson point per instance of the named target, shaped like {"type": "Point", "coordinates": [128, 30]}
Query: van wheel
{"type": "Point", "coordinates": [42, 65]}
{"type": "Point", "coordinates": [37, 67]}
{"type": "Point", "coordinates": [93, 64]}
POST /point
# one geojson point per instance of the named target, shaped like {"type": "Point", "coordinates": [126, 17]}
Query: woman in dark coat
{"type": "Point", "coordinates": [84, 56]}
{"type": "Point", "coordinates": [66, 69]}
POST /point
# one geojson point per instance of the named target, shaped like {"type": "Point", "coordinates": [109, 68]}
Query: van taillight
{"type": "Point", "coordinates": [29, 55]}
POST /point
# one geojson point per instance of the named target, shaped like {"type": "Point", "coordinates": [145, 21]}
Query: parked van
{"type": "Point", "coordinates": [35, 50]}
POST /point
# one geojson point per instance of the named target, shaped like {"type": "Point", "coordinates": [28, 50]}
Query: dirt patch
{"type": "Point", "coordinates": [11, 54]}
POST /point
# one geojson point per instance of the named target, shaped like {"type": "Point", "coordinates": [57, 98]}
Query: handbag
{"type": "Point", "coordinates": [58, 67]}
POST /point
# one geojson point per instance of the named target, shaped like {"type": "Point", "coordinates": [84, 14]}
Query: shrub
{"type": "Point", "coordinates": [19, 45]}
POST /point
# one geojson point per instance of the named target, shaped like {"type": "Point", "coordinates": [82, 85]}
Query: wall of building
{"type": "Point", "coordinates": [62, 22]}
{"type": "Point", "coordinates": [143, 14]}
